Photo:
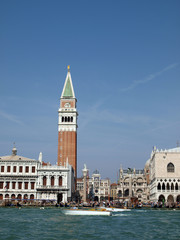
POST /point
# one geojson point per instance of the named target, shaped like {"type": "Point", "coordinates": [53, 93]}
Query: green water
{"type": "Point", "coordinates": [50, 223]}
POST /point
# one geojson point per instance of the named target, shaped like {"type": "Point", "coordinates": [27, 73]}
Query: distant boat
{"type": "Point", "coordinates": [100, 212]}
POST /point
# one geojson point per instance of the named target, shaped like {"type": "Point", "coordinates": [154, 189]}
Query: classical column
{"type": "Point", "coordinates": [85, 171]}
{"type": "Point", "coordinates": [130, 185]}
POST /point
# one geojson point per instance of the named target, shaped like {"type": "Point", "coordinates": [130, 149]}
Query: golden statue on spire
{"type": "Point", "coordinates": [68, 67]}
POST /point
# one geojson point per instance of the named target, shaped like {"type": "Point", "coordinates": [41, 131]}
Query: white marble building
{"type": "Point", "coordinates": [55, 182]}
{"type": "Point", "coordinates": [164, 169]}
{"type": "Point", "coordinates": [132, 183]}
{"type": "Point", "coordinates": [27, 179]}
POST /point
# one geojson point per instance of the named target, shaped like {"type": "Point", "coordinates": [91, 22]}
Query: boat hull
{"type": "Point", "coordinates": [87, 212]}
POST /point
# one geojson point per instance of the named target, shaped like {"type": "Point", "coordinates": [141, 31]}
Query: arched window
{"type": "Point", "coordinates": [68, 119]}
{"type": "Point", "coordinates": [62, 119]}
{"type": "Point", "coordinates": [159, 186]}
{"type": "Point", "coordinates": [65, 119]}
{"type": "Point", "coordinates": [60, 181]}
{"type": "Point", "coordinates": [44, 181]}
{"type": "Point", "coordinates": [126, 193]}
{"type": "Point", "coordinates": [7, 196]}
{"type": "Point", "coordinates": [168, 187]}
{"type": "Point", "coordinates": [170, 167]}
{"type": "Point", "coordinates": [25, 196]}
{"type": "Point", "coordinates": [163, 186]}
{"type": "Point", "coordinates": [19, 196]}
{"type": "Point", "coordinates": [120, 193]}
{"type": "Point", "coordinates": [13, 196]}
{"type": "Point", "coordinates": [172, 186]}
{"type": "Point", "coordinates": [71, 119]}
{"type": "Point", "coordinates": [52, 181]}
{"type": "Point", "coordinates": [32, 196]}
{"type": "Point", "coordinates": [176, 186]}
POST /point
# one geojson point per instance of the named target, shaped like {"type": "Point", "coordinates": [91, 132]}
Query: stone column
{"type": "Point", "coordinates": [130, 185]}
{"type": "Point", "coordinates": [56, 180]}
{"type": "Point", "coordinates": [85, 171]}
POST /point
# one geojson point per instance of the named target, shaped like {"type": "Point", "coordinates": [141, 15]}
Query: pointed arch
{"type": "Point", "coordinates": [178, 198]}
{"type": "Point", "coordinates": [170, 199]}
{"type": "Point", "coordinates": [161, 198]}
{"type": "Point", "coordinates": [172, 186]}
{"type": "Point", "coordinates": [167, 186]}
{"type": "Point", "coordinates": [170, 167]}
{"type": "Point", "coordinates": [163, 186]}
{"type": "Point", "coordinates": [159, 186]}
{"type": "Point", "coordinates": [176, 186]}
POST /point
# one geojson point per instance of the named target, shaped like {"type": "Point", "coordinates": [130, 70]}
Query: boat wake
{"type": "Point", "coordinates": [121, 215]}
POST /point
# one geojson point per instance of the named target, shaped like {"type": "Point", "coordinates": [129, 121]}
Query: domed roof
{"type": "Point", "coordinates": [147, 163]}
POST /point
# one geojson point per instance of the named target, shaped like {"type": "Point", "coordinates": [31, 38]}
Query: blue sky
{"type": "Point", "coordinates": [125, 67]}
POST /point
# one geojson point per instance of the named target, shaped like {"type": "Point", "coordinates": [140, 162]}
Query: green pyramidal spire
{"type": "Point", "coordinates": [68, 91]}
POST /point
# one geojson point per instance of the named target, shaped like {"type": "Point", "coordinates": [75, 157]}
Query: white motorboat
{"type": "Point", "coordinates": [115, 209]}
{"type": "Point", "coordinates": [92, 212]}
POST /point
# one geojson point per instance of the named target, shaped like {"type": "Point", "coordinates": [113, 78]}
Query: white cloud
{"type": "Point", "coordinates": [97, 114]}
{"type": "Point", "coordinates": [149, 77]}
{"type": "Point", "coordinates": [10, 117]}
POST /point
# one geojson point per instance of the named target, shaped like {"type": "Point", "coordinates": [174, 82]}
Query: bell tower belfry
{"type": "Point", "coordinates": [67, 126]}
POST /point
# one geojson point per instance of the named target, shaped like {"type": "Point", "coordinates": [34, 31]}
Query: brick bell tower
{"type": "Point", "coordinates": [67, 125]}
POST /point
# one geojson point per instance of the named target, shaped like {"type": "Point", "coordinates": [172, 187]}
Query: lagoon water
{"type": "Point", "coordinates": [51, 223]}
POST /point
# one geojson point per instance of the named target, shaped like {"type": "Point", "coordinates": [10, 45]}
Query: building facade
{"type": "Point", "coordinates": [132, 183]}
{"type": "Point", "coordinates": [27, 179]}
{"type": "Point", "coordinates": [164, 168]}
{"type": "Point", "coordinates": [97, 189]}
{"type": "Point", "coordinates": [18, 177]}
{"type": "Point", "coordinates": [67, 126]}
{"type": "Point", "coordinates": [114, 195]}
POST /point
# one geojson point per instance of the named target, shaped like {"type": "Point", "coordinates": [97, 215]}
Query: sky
{"type": "Point", "coordinates": [125, 66]}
